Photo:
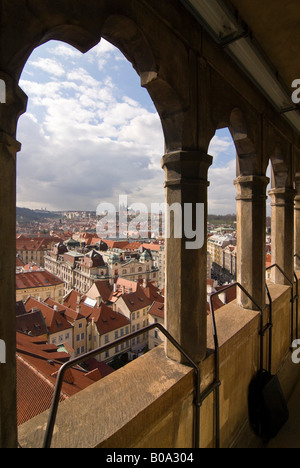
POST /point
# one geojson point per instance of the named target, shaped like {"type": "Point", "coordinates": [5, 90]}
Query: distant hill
{"type": "Point", "coordinates": [25, 215]}
{"type": "Point", "coordinates": [222, 219]}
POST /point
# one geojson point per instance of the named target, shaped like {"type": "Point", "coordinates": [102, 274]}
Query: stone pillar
{"type": "Point", "coordinates": [9, 112]}
{"type": "Point", "coordinates": [297, 224]}
{"type": "Point", "coordinates": [282, 203]}
{"type": "Point", "coordinates": [186, 264]}
{"type": "Point", "coordinates": [251, 239]}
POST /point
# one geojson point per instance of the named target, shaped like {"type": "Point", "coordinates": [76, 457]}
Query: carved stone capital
{"type": "Point", "coordinates": [282, 196]}
{"type": "Point", "coordinates": [186, 167]}
{"type": "Point", "coordinates": [251, 187]}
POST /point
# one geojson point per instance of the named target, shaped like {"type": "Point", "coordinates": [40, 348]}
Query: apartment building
{"type": "Point", "coordinates": [131, 265]}
{"type": "Point", "coordinates": [159, 260]}
{"type": "Point", "coordinates": [60, 331]}
{"type": "Point", "coordinates": [77, 270]}
{"type": "Point", "coordinates": [78, 323]}
{"type": "Point", "coordinates": [32, 249]}
{"type": "Point", "coordinates": [156, 315]}
{"type": "Point", "coordinates": [104, 325]}
{"type": "Point", "coordinates": [135, 306]}
{"type": "Point", "coordinates": [38, 284]}
{"type": "Point", "coordinates": [80, 271]}
{"type": "Point", "coordinates": [222, 252]}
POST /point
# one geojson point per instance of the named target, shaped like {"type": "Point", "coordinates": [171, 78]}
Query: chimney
{"type": "Point", "coordinates": [144, 283]}
{"type": "Point", "coordinates": [115, 287]}
{"type": "Point", "coordinates": [123, 289]}
{"type": "Point", "coordinates": [55, 308]}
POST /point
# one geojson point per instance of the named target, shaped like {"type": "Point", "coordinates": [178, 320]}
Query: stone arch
{"type": "Point", "coordinates": [83, 32]}
{"type": "Point", "coordinates": [124, 33]}
{"type": "Point", "coordinates": [246, 151]}
{"type": "Point", "coordinates": [280, 170]}
{"type": "Point", "coordinates": [279, 152]}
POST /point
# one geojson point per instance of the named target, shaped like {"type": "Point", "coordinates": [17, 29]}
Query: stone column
{"type": "Point", "coordinates": [186, 263]}
{"type": "Point", "coordinates": [282, 202]}
{"type": "Point", "coordinates": [251, 238]}
{"type": "Point", "coordinates": [297, 224]}
{"type": "Point", "coordinates": [9, 112]}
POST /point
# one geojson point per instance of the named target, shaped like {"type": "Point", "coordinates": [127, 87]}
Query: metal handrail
{"type": "Point", "coordinates": [95, 352]}
{"type": "Point", "coordinates": [297, 300]}
{"type": "Point", "coordinates": [275, 265]}
{"type": "Point", "coordinates": [270, 326]}
{"type": "Point", "coordinates": [217, 349]}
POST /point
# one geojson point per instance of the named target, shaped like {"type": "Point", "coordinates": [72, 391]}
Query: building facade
{"type": "Point", "coordinates": [39, 284]}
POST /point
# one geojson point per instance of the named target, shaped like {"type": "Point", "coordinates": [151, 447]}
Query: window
{"type": "Point", "coordinates": [80, 325]}
{"type": "Point", "coordinates": [116, 334]}
{"type": "Point", "coordinates": [106, 339]}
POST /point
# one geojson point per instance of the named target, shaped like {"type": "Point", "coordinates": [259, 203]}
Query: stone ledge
{"type": "Point", "coordinates": [93, 416]}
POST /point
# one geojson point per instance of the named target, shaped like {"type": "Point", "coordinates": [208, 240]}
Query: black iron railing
{"type": "Point", "coordinates": [217, 383]}
{"type": "Point", "coordinates": [294, 299]}
{"type": "Point", "coordinates": [80, 359]}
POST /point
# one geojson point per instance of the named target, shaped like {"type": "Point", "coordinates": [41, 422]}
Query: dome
{"type": "Point", "coordinates": [145, 256]}
{"type": "Point", "coordinates": [115, 258]}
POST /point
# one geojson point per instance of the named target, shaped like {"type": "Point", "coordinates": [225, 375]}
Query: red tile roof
{"type": "Point", "coordinates": [19, 262]}
{"type": "Point", "coordinates": [55, 321]}
{"type": "Point", "coordinates": [36, 279]}
{"type": "Point", "coordinates": [157, 310]}
{"type": "Point", "coordinates": [32, 324]}
{"type": "Point", "coordinates": [105, 318]}
{"type": "Point", "coordinates": [104, 289]}
{"type": "Point", "coordinates": [37, 369]}
{"type": "Point", "coordinates": [136, 300]}
{"type": "Point", "coordinates": [70, 314]}
{"type": "Point", "coordinates": [35, 243]}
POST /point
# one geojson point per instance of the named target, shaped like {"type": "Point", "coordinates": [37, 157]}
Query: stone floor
{"type": "Point", "coordinates": [289, 436]}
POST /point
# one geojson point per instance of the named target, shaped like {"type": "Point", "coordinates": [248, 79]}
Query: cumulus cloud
{"type": "Point", "coordinates": [81, 144]}
{"type": "Point", "coordinates": [88, 138]}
